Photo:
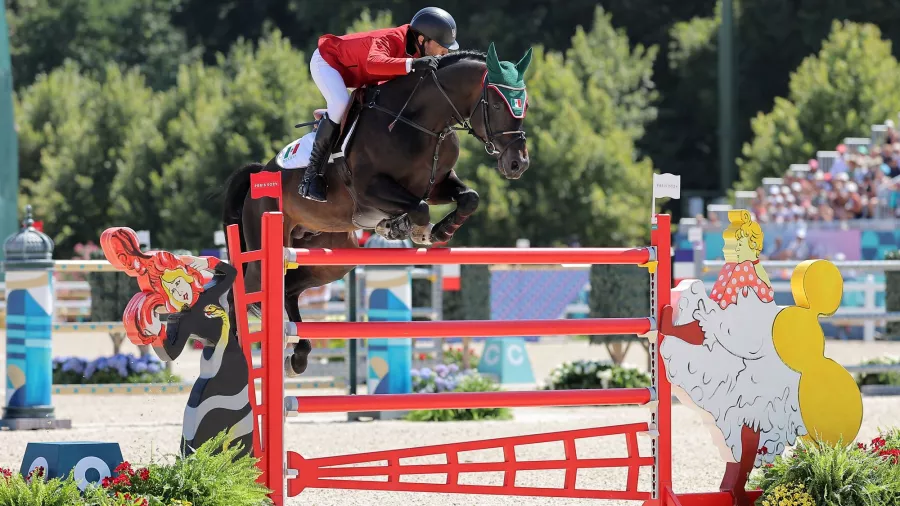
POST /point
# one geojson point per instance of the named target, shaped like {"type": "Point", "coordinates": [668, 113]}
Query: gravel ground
{"type": "Point", "coordinates": [148, 426]}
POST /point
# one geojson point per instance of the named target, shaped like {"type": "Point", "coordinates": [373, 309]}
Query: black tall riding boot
{"type": "Point", "coordinates": [314, 185]}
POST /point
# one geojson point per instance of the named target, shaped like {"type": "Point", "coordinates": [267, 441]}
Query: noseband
{"type": "Point", "coordinates": [464, 123]}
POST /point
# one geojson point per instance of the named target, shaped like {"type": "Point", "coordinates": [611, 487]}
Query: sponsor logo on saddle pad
{"type": "Point", "coordinates": [296, 154]}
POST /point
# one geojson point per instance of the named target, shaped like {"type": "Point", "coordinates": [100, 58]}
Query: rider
{"type": "Point", "coordinates": [368, 58]}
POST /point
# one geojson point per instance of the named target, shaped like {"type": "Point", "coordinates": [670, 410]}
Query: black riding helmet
{"type": "Point", "coordinates": [436, 24]}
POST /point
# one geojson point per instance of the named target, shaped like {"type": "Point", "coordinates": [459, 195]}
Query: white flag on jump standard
{"type": "Point", "coordinates": [666, 185]}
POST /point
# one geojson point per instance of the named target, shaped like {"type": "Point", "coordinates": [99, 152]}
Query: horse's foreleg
{"type": "Point", "coordinates": [388, 195]}
{"type": "Point", "coordinates": [452, 189]}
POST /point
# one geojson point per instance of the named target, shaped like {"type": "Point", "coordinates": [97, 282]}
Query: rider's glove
{"type": "Point", "coordinates": [424, 64]}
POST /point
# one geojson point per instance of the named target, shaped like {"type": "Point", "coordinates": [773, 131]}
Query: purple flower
{"type": "Point", "coordinates": [425, 373]}
{"type": "Point", "coordinates": [153, 368]}
{"type": "Point", "coordinates": [414, 373]}
{"type": "Point", "coordinates": [140, 367]}
{"type": "Point", "coordinates": [441, 370]}
{"type": "Point", "coordinates": [73, 365]}
{"type": "Point", "coordinates": [454, 368]}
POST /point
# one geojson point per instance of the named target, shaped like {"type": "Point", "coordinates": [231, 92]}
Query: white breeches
{"type": "Point", "coordinates": [332, 86]}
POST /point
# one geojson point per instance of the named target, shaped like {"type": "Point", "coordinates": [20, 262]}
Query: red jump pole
{"type": "Point", "coordinates": [272, 267]}
{"type": "Point", "coordinates": [469, 400]}
{"type": "Point", "coordinates": [661, 237]}
{"type": "Point", "coordinates": [473, 328]}
{"type": "Point", "coordinates": [469, 256]}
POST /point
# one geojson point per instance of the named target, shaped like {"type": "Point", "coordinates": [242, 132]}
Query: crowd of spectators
{"type": "Point", "coordinates": [861, 183]}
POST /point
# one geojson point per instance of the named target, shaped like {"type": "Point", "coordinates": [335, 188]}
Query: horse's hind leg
{"type": "Point", "coordinates": [309, 276]}
{"type": "Point", "coordinates": [391, 197]}
{"type": "Point", "coordinates": [452, 189]}
{"type": "Point", "coordinates": [295, 282]}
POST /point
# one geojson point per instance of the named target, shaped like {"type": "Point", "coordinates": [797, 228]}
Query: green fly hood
{"type": "Point", "coordinates": [508, 79]}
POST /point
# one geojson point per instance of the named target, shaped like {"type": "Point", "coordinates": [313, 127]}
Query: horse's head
{"type": "Point", "coordinates": [504, 103]}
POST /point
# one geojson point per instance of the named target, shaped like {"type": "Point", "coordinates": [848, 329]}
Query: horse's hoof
{"type": "Point", "coordinates": [289, 368]}
{"type": "Point", "coordinates": [393, 230]}
{"type": "Point", "coordinates": [440, 236]}
{"type": "Point", "coordinates": [422, 235]}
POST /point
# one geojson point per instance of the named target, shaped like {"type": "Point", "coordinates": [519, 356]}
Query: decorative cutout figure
{"type": "Point", "coordinates": [183, 298]}
{"type": "Point", "coordinates": [741, 359]}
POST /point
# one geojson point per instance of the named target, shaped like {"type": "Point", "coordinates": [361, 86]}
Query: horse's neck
{"type": "Point", "coordinates": [461, 82]}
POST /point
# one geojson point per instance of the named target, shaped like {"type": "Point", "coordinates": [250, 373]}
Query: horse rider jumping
{"type": "Point", "coordinates": [368, 58]}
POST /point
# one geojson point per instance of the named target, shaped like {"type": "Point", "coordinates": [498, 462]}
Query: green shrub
{"type": "Point", "coordinates": [16, 490]}
{"type": "Point", "coordinates": [886, 378]}
{"type": "Point", "coordinates": [212, 476]}
{"type": "Point", "coordinates": [470, 382]}
{"type": "Point", "coordinates": [838, 475]}
{"type": "Point", "coordinates": [454, 355]}
{"type": "Point", "coordinates": [593, 374]}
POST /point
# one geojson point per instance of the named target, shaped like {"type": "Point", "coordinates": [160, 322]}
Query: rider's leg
{"type": "Point", "coordinates": [337, 98]}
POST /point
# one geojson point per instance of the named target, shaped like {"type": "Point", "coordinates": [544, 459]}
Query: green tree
{"type": "Point", "coordinates": [72, 132]}
{"type": "Point", "coordinates": [605, 61]}
{"type": "Point", "coordinates": [92, 33]}
{"type": "Point", "coordinates": [215, 120]}
{"type": "Point", "coordinates": [586, 177]}
{"type": "Point", "coordinates": [851, 83]}
{"type": "Point", "coordinates": [365, 22]}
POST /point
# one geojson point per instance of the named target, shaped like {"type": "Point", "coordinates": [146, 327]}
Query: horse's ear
{"type": "Point", "coordinates": [523, 64]}
{"type": "Point", "coordinates": [493, 62]}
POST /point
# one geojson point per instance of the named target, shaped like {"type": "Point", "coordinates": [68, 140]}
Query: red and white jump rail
{"type": "Point", "coordinates": [288, 473]}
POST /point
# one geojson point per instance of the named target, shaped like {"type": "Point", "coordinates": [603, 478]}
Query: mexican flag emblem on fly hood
{"type": "Point", "coordinates": [508, 79]}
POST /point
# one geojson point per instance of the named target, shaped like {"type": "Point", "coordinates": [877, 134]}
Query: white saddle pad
{"type": "Point", "coordinates": [296, 154]}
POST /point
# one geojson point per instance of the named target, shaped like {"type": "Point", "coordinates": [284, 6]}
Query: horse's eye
{"type": "Point", "coordinates": [496, 106]}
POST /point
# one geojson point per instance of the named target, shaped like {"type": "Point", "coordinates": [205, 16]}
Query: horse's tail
{"type": "Point", "coordinates": [237, 186]}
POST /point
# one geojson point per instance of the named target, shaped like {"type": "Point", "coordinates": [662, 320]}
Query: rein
{"type": "Point", "coordinates": [457, 119]}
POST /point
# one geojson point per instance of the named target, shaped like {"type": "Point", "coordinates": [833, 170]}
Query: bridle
{"type": "Point", "coordinates": [465, 123]}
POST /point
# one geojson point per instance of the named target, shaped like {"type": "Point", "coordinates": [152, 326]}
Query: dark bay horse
{"type": "Point", "coordinates": [398, 161]}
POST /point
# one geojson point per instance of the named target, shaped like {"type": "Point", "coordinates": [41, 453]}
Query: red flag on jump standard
{"type": "Point", "coordinates": [266, 184]}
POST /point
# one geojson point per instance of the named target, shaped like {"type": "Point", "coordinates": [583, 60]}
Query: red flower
{"type": "Point", "coordinates": [36, 472]}
{"type": "Point", "coordinates": [861, 446]}
{"type": "Point", "coordinates": [5, 472]}
{"type": "Point", "coordinates": [124, 467]}
{"type": "Point", "coordinates": [893, 454]}
{"type": "Point", "coordinates": [106, 482]}
{"type": "Point", "coordinates": [762, 451]}
{"type": "Point", "coordinates": [878, 443]}
{"type": "Point", "coordinates": [144, 474]}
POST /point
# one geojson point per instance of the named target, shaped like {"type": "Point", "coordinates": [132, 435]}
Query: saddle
{"type": "Point", "coordinates": [365, 217]}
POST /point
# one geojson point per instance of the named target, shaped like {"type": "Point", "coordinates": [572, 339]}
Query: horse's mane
{"type": "Point", "coordinates": [457, 56]}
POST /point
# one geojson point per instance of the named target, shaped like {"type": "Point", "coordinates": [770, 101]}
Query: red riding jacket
{"type": "Point", "coordinates": [367, 57]}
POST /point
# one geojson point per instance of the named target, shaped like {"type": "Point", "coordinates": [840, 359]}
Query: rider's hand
{"type": "Point", "coordinates": [424, 64]}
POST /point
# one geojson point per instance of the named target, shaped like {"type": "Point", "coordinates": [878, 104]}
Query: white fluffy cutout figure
{"type": "Point", "coordinates": [720, 356]}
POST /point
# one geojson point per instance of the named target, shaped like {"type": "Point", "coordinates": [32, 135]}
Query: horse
{"type": "Point", "coordinates": [388, 174]}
